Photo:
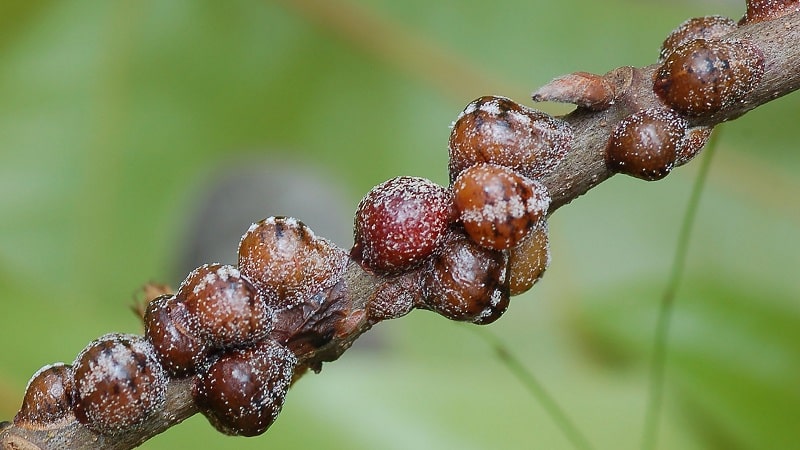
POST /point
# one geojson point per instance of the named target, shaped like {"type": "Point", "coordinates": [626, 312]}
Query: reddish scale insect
{"type": "Point", "coordinates": [645, 144]}
{"type": "Point", "coordinates": [119, 383]}
{"type": "Point", "coordinates": [703, 76]}
{"type": "Point", "coordinates": [466, 282]}
{"type": "Point", "coordinates": [708, 27]}
{"type": "Point", "coordinates": [499, 131]}
{"type": "Point", "coordinates": [287, 262]}
{"type": "Point", "coordinates": [48, 398]}
{"type": "Point", "coordinates": [763, 10]}
{"type": "Point", "coordinates": [528, 261]}
{"type": "Point", "coordinates": [242, 392]}
{"type": "Point", "coordinates": [223, 308]}
{"type": "Point", "coordinates": [166, 322]}
{"type": "Point", "coordinates": [400, 222]}
{"type": "Point", "coordinates": [498, 206]}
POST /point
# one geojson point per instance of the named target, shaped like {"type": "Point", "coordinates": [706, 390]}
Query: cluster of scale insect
{"type": "Point", "coordinates": [428, 250]}
{"type": "Point", "coordinates": [460, 250]}
{"type": "Point", "coordinates": [215, 330]}
{"type": "Point", "coordinates": [701, 72]}
{"type": "Point", "coordinates": [447, 249]}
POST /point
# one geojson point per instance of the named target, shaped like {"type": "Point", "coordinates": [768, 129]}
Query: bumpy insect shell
{"type": "Point", "coordinates": [400, 223]}
{"type": "Point", "coordinates": [708, 27]}
{"type": "Point", "coordinates": [645, 144]}
{"type": "Point", "coordinates": [763, 10]}
{"type": "Point", "coordinates": [119, 383]}
{"type": "Point", "coordinates": [497, 206]}
{"type": "Point", "coordinates": [224, 309]}
{"type": "Point", "coordinates": [703, 76]}
{"type": "Point", "coordinates": [48, 398]}
{"type": "Point", "coordinates": [243, 391]}
{"type": "Point", "coordinates": [287, 262]}
{"type": "Point", "coordinates": [499, 131]}
{"type": "Point", "coordinates": [167, 327]}
{"type": "Point", "coordinates": [466, 282]}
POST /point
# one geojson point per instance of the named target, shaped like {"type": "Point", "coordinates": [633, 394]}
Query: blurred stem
{"type": "Point", "coordinates": [658, 363]}
{"type": "Point", "coordinates": [536, 389]}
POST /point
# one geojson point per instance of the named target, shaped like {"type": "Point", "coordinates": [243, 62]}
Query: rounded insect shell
{"type": "Point", "coordinates": [498, 206]}
{"type": "Point", "coordinates": [119, 383]}
{"type": "Point", "coordinates": [708, 27]}
{"type": "Point", "coordinates": [287, 262]}
{"type": "Point", "coordinates": [764, 10]}
{"type": "Point", "coordinates": [466, 282]}
{"type": "Point", "coordinates": [499, 131]}
{"type": "Point", "coordinates": [703, 76]}
{"type": "Point", "coordinates": [166, 322]}
{"type": "Point", "coordinates": [400, 222]}
{"type": "Point", "coordinates": [48, 399]}
{"type": "Point", "coordinates": [243, 391]}
{"type": "Point", "coordinates": [645, 144]}
{"type": "Point", "coordinates": [223, 308]}
{"type": "Point", "coordinates": [528, 261]}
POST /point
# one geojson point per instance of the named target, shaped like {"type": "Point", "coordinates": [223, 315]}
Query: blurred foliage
{"type": "Point", "coordinates": [116, 116]}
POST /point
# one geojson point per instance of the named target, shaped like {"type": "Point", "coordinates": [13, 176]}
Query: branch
{"type": "Point", "coordinates": [340, 317]}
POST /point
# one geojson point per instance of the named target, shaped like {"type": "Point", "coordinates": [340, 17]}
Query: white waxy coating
{"type": "Point", "coordinates": [500, 131]}
{"type": "Point", "coordinates": [498, 206]}
{"type": "Point", "coordinates": [119, 383]}
{"type": "Point", "coordinates": [287, 262]}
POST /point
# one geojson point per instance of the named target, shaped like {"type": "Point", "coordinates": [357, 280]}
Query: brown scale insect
{"type": "Point", "coordinates": [242, 392]}
{"type": "Point", "coordinates": [645, 144]}
{"type": "Point", "coordinates": [223, 308]}
{"type": "Point", "coordinates": [703, 76]}
{"type": "Point", "coordinates": [119, 383]}
{"type": "Point", "coordinates": [499, 131]}
{"type": "Point", "coordinates": [466, 282]}
{"type": "Point", "coordinates": [48, 398]}
{"type": "Point", "coordinates": [528, 261]}
{"type": "Point", "coordinates": [498, 206]}
{"type": "Point", "coordinates": [763, 10]}
{"type": "Point", "coordinates": [708, 27]}
{"type": "Point", "coordinates": [400, 222]}
{"type": "Point", "coordinates": [287, 262]}
{"type": "Point", "coordinates": [166, 323]}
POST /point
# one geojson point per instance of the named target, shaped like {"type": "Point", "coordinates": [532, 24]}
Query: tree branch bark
{"type": "Point", "coordinates": [583, 169]}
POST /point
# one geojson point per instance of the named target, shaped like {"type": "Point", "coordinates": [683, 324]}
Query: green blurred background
{"type": "Point", "coordinates": [134, 136]}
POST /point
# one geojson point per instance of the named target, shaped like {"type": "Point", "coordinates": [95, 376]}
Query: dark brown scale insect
{"type": "Point", "coordinates": [499, 131]}
{"type": "Point", "coordinates": [708, 27]}
{"type": "Point", "coordinates": [223, 308]}
{"type": "Point", "coordinates": [119, 383]}
{"type": "Point", "coordinates": [48, 398]}
{"type": "Point", "coordinates": [400, 222]}
{"type": "Point", "coordinates": [498, 206]}
{"type": "Point", "coordinates": [703, 76]}
{"type": "Point", "coordinates": [528, 261]}
{"type": "Point", "coordinates": [762, 10]}
{"type": "Point", "coordinates": [287, 262]}
{"type": "Point", "coordinates": [645, 144]}
{"type": "Point", "coordinates": [166, 322]}
{"type": "Point", "coordinates": [242, 392]}
{"type": "Point", "coordinates": [466, 282]}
